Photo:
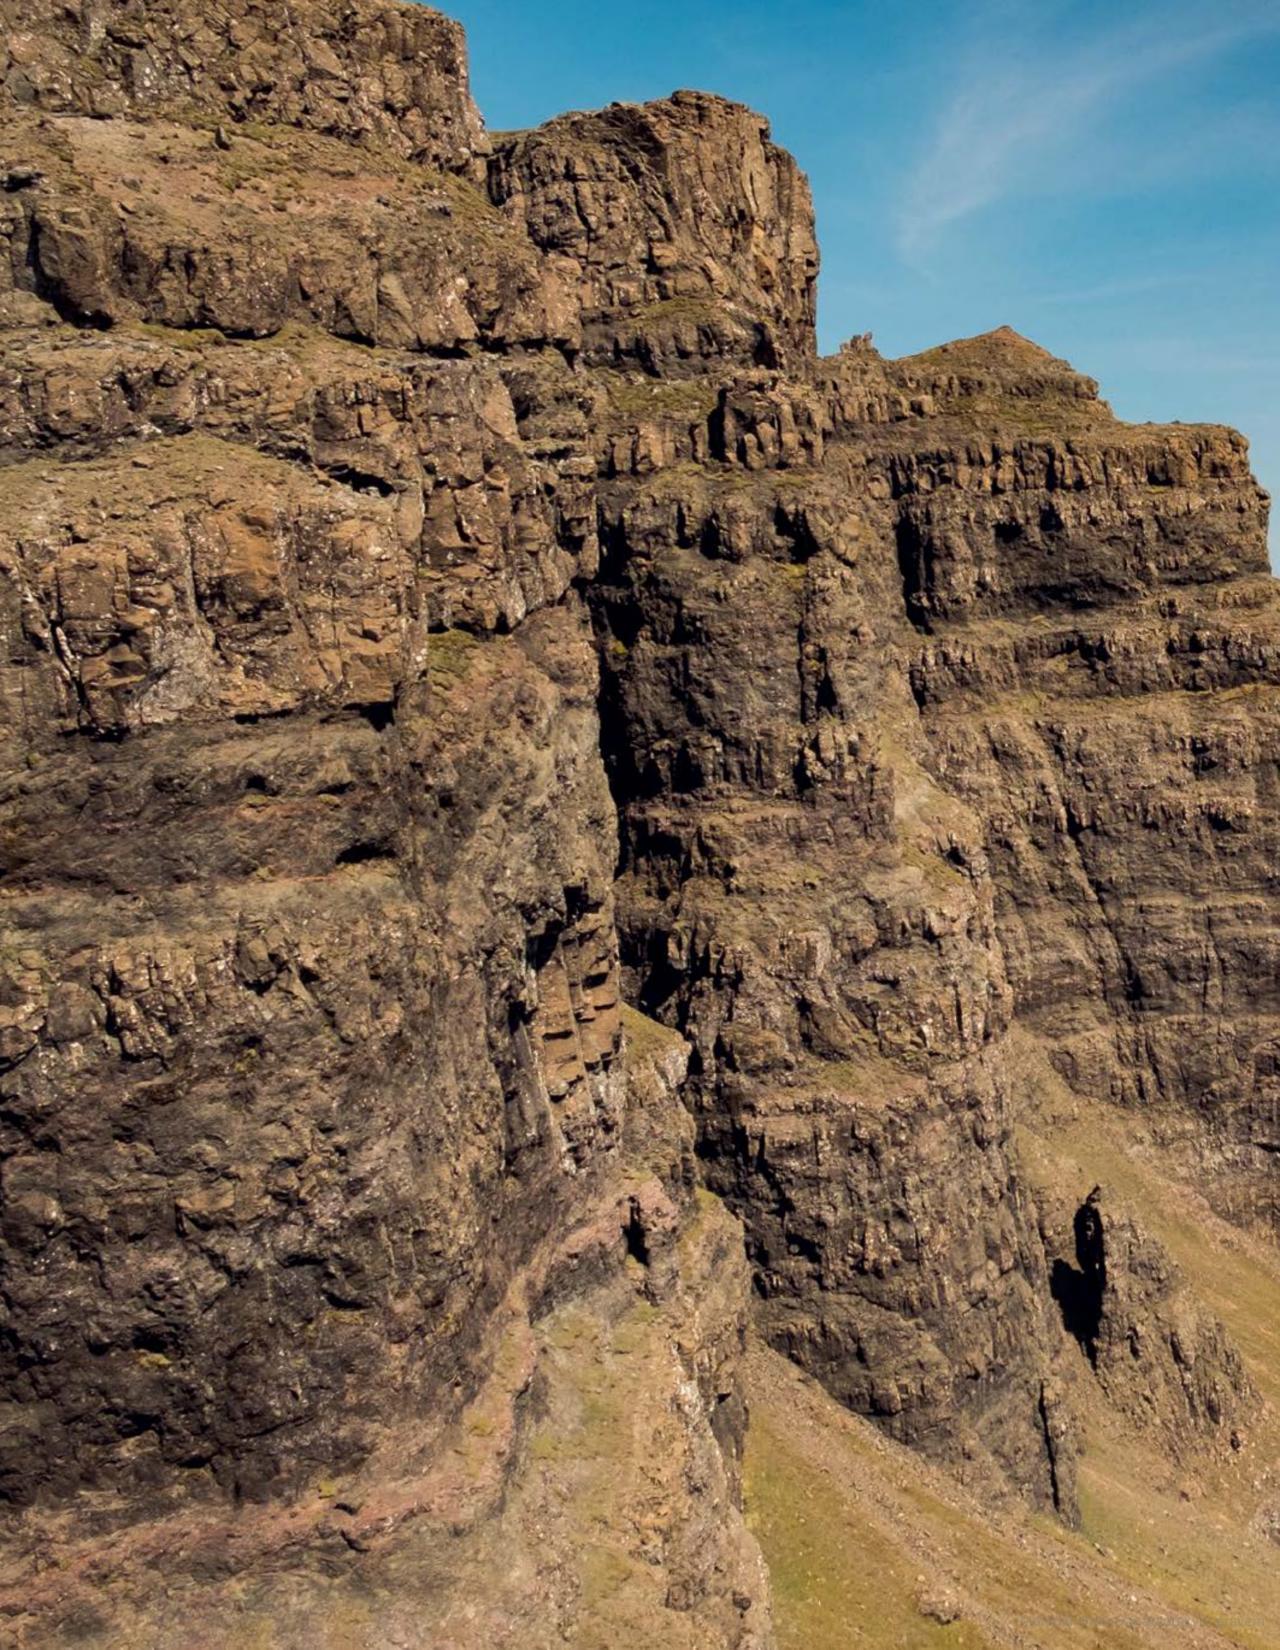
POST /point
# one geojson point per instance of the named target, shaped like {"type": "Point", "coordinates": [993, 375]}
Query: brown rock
{"type": "Point", "coordinates": [445, 600]}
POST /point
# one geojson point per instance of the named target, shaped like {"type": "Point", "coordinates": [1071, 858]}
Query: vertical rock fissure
{"type": "Point", "coordinates": [743, 790]}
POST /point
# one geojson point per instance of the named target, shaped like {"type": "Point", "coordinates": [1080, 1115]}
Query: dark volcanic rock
{"type": "Point", "coordinates": [444, 594]}
{"type": "Point", "coordinates": [1158, 1356]}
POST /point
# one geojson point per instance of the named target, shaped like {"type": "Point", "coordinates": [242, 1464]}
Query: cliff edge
{"type": "Point", "coordinates": [549, 830]}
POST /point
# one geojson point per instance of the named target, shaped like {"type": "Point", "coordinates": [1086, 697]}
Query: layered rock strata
{"type": "Point", "coordinates": [445, 594]}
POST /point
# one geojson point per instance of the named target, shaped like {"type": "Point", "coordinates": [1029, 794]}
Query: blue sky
{"type": "Point", "coordinates": [1103, 177]}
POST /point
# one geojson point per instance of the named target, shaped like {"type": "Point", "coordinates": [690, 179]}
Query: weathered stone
{"type": "Point", "coordinates": [444, 600]}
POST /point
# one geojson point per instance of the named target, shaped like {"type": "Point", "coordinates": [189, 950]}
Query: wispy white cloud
{"type": "Point", "coordinates": [1106, 292]}
{"type": "Point", "coordinates": [1179, 356]}
{"type": "Point", "coordinates": [1031, 109]}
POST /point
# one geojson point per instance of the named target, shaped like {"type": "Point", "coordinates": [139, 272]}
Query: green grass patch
{"type": "Point", "coordinates": [646, 1039]}
{"type": "Point", "coordinates": [837, 1583]}
{"type": "Point", "coordinates": [450, 654]}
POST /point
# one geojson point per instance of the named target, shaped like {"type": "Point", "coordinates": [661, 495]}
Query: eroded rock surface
{"type": "Point", "coordinates": [1161, 1359]}
{"type": "Point", "coordinates": [445, 596]}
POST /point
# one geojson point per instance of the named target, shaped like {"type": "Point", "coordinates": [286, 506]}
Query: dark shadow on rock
{"type": "Point", "coordinates": [1079, 1289]}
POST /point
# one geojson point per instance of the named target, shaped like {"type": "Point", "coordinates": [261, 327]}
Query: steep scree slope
{"type": "Point", "coordinates": [444, 596]}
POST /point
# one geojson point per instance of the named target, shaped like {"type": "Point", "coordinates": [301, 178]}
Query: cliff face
{"type": "Point", "coordinates": [445, 596]}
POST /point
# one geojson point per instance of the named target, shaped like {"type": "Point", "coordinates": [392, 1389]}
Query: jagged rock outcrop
{"type": "Point", "coordinates": [1160, 1358]}
{"type": "Point", "coordinates": [444, 595]}
{"type": "Point", "coordinates": [319, 1117]}
{"type": "Point", "coordinates": [686, 234]}
{"type": "Point", "coordinates": [394, 76]}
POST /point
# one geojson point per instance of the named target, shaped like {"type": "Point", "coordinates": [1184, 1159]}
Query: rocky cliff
{"type": "Point", "coordinates": [505, 748]}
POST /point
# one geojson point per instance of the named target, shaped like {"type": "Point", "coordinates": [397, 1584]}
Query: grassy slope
{"type": "Point", "coordinates": [1206, 1554]}
{"type": "Point", "coordinates": [859, 1532]}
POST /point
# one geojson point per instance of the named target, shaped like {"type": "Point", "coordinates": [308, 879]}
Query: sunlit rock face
{"type": "Point", "coordinates": [446, 599]}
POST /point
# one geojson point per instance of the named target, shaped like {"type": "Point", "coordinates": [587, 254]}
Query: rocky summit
{"type": "Point", "coordinates": [640, 971]}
